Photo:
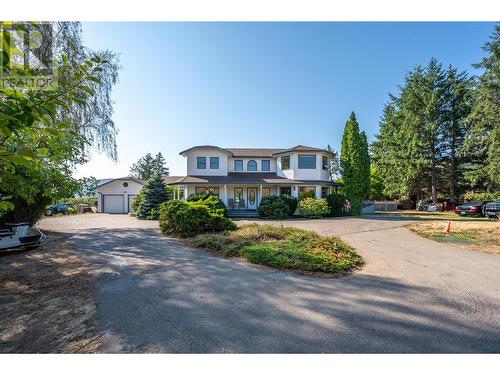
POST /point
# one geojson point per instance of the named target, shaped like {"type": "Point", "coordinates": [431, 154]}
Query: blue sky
{"type": "Point", "coordinates": [261, 84]}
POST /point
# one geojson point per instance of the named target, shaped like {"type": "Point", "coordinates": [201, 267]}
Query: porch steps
{"type": "Point", "coordinates": [242, 213]}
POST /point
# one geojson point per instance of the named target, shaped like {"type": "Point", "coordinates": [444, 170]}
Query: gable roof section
{"type": "Point", "coordinates": [205, 146]}
{"type": "Point", "coordinates": [110, 180]}
{"type": "Point", "coordinates": [302, 148]}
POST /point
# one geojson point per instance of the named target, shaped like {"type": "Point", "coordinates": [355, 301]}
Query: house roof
{"type": "Point", "coordinates": [256, 152]}
{"type": "Point", "coordinates": [248, 178]}
{"type": "Point", "coordinates": [110, 180]}
{"type": "Point", "coordinates": [169, 180]}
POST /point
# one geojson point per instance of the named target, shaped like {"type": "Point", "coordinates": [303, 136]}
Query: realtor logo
{"type": "Point", "coordinates": [26, 56]}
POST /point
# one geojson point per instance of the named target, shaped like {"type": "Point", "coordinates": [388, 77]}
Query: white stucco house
{"type": "Point", "coordinates": [242, 176]}
{"type": "Point", "coordinates": [115, 196]}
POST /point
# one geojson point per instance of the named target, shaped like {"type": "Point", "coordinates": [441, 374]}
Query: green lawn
{"type": "Point", "coordinates": [447, 215]}
{"type": "Point", "coordinates": [283, 248]}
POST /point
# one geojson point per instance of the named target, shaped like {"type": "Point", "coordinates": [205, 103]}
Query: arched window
{"type": "Point", "coordinates": [252, 166]}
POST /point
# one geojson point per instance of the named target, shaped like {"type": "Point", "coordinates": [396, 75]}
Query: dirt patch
{"type": "Point", "coordinates": [46, 301]}
{"type": "Point", "coordinates": [482, 236]}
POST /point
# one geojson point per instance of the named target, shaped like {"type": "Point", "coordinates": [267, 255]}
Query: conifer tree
{"type": "Point", "coordinates": [355, 164]}
{"type": "Point", "coordinates": [153, 193]}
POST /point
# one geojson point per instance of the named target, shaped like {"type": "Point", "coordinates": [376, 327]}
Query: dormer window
{"type": "Point", "coordinates": [201, 162]}
{"type": "Point", "coordinates": [252, 166]}
{"type": "Point", "coordinates": [307, 161]}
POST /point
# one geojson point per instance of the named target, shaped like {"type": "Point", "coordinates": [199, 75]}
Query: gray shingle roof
{"type": "Point", "coordinates": [248, 178]}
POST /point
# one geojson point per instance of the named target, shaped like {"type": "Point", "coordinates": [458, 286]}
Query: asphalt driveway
{"type": "Point", "coordinates": [414, 295]}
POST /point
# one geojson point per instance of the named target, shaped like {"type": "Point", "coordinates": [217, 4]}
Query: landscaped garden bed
{"type": "Point", "coordinates": [284, 248]}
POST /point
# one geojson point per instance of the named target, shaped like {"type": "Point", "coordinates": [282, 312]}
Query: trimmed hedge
{"type": "Point", "coordinates": [186, 219]}
{"type": "Point", "coordinates": [208, 199]}
{"type": "Point", "coordinates": [313, 208]}
{"type": "Point", "coordinates": [273, 207]}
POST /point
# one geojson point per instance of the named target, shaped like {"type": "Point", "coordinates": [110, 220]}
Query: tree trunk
{"type": "Point", "coordinates": [453, 180]}
{"type": "Point", "coordinates": [433, 173]}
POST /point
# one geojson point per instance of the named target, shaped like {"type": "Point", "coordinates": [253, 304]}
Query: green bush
{"type": "Point", "coordinates": [291, 203]}
{"type": "Point", "coordinates": [307, 194]}
{"type": "Point", "coordinates": [494, 196]}
{"type": "Point", "coordinates": [137, 201]}
{"type": "Point", "coordinates": [186, 219]}
{"type": "Point", "coordinates": [211, 200]}
{"type": "Point", "coordinates": [273, 207]}
{"type": "Point", "coordinates": [313, 208]}
{"type": "Point", "coordinates": [282, 248]}
{"type": "Point", "coordinates": [336, 204]}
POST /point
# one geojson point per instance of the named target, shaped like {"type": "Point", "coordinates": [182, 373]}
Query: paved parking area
{"type": "Point", "coordinates": [154, 294]}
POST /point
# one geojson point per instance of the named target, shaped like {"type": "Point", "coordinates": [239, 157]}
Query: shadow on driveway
{"type": "Point", "coordinates": [156, 295]}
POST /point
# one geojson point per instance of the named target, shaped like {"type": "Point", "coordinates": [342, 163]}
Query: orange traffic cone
{"type": "Point", "coordinates": [447, 228]}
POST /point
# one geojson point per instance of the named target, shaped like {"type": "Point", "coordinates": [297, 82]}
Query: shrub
{"type": "Point", "coordinates": [211, 200]}
{"type": "Point", "coordinates": [154, 193]}
{"type": "Point", "coordinates": [185, 219]}
{"type": "Point", "coordinates": [313, 208]}
{"type": "Point", "coordinates": [273, 207]}
{"type": "Point", "coordinates": [307, 194]}
{"type": "Point", "coordinates": [291, 203]}
{"type": "Point", "coordinates": [336, 204]}
{"type": "Point", "coordinates": [137, 201]}
{"type": "Point", "coordinates": [282, 248]}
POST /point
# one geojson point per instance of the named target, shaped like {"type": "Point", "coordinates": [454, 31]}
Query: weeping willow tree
{"type": "Point", "coordinates": [46, 131]}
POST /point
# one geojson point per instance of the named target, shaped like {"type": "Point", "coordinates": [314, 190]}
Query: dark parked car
{"type": "Point", "coordinates": [472, 208]}
{"type": "Point", "coordinates": [58, 208]}
{"type": "Point", "coordinates": [492, 210]}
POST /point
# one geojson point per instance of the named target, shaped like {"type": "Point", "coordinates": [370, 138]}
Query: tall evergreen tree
{"type": "Point", "coordinates": [483, 139]}
{"type": "Point", "coordinates": [147, 166]}
{"type": "Point", "coordinates": [355, 164]}
{"type": "Point", "coordinates": [153, 193]}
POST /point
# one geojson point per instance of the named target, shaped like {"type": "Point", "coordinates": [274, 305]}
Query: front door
{"type": "Point", "coordinates": [252, 198]}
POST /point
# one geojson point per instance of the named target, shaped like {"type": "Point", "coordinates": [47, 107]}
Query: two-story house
{"type": "Point", "coordinates": [242, 176]}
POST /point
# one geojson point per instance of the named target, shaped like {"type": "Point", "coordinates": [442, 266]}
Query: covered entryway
{"type": "Point", "coordinates": [113, 204]}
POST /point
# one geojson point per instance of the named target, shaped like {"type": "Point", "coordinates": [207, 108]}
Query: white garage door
{"type": "Point", "coordinates": [113, 204]}
{"type": "Point", "coordinates": [130, 200]}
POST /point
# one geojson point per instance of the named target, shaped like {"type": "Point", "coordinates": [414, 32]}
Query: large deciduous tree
{"type": "Point", "coordinates": [355, 164]}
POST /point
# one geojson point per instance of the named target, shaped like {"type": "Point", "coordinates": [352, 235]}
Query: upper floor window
{"type": "Point", "coordinates": [325, 163]}
{"type": "Point", "coordinates": [238, 165]}
{"type": "Point", "coordinates": [307, 161]}
{"type": "Point", "coordinates": [201, 162]}
{"type": "Point", "coordinates": [214, 162]}
{"type": "Point", "coordinates": [266, 165]}
{"type": "Point", "coordinates": [252, 166]}
{"type": "Point", "coordinates": [285, 162]}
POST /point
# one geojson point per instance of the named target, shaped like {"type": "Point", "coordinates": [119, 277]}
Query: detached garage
{"type": "Point", "coordinates": [116, 196]}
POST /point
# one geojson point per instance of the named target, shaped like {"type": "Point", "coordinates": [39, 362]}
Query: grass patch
{"type": "Point", "coordinates": [425, 215]}
{"type": "Point", "coordinates": [478, 235]}
{"type": "Point", "coordinates": [284, 248]}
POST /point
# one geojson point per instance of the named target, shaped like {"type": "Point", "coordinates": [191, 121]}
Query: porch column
{"type": "Point", "coordinates": [318, 191]}
{"type": "Point", "coordinates": [185, 193]}
{"type": "Point", "coordinates": [260, 195]}
{"type": "Point", "coordinates": [295, 191]}
{"type": "Point", "coordinates": [225, 194]}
